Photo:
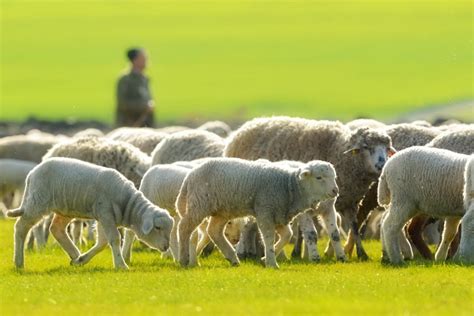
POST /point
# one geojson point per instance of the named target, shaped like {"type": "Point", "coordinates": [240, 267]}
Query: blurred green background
{"type": "Point", "coordinates": [237, 59]}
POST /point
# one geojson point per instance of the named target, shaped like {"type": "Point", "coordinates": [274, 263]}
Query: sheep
{"type": "Point", "coordinates": [421, 180]}
{"type": "Point", "coordinates": [358, 123]}
{"type": "Point", "coordinates": [161, 185]}
{"type": "Point", "coordinates": [13, 174]}
{"type": "Point", "coordinates": [72, 188]}
{"type": "Point", "coordinates": [227, 188]}
{"type": "Point", "coordinates": [187, 145]}
{"type": "Point", "coordinates": [172, 129]}
{"type": "Point", "coordinates": [118, 155]}
{"type": "Point", "coordinates": [217, 127]}
{"type": "Point", "coordinates": [403, 135]}
{"type": "Point", "coordinates": [94, 132]}
{"type": "Point", "coordinates": [358, 157]}
{"type": "Point", "coordinates": [466, 246]}
{"type": "Point", "coordinates": [145, 139]}
{"type": "Point", "coordinates": [26, 147]}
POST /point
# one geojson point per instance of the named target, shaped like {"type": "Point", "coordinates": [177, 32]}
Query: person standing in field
{"type": "Point", "coordinates": [135, 105]}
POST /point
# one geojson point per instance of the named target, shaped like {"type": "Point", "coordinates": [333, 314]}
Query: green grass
{"type": "Point", "coordinates": [49, 285]}
{"type": "Point", "coordinates": [237, 59]}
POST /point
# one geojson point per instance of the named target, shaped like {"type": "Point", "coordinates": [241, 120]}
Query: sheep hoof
{"type": "Point", "coordinates": [316, 259]}
{"type": "Point", "coordinates": [272, 266]}
{"type": "Point", "coordinates": [79, 261]}
{"type": "Point", "coordinates": [342, 259]}
{"type": "Point", "coordinates": [121, 267]}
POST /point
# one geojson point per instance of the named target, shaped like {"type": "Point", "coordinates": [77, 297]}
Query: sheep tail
{"type": "Point", "coordinates": [182, 201]}
{"type": "Point", "coordinates": [383, 192]}
{"type": "Point", "coordinates": [16, 212]}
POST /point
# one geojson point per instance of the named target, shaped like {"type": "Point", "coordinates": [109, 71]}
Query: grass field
{"type": "Point", "coordinates": [236, 59]}
{"type": "Point", "coordinates": [49, 285]}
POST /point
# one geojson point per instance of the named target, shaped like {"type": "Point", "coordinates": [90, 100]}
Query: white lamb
{"type": "Point", "coordinates": [72, 188]}
{"type": "Point", "coordinates": [228, 188]}
{"type": "Point", "coordinates": [421, 180]}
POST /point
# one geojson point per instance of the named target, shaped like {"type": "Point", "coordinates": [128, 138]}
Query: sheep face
{"type": "Point", "coordinates": [233, 228]}
{"type": "Point", "coordinates": [155, 230]}
{"type": "Point", "coordinates": [371, 148]}
{"type": "Point", "coordinates": [318, 181]}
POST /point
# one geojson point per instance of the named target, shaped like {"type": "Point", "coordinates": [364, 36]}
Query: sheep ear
{"type": "Point", "coordinates": [304, 174]}
{"type": "Point", "coordinates": [353, 151]}
{"type": "Point", "coordinates": [391, 151]}
{"type": "Point", "coordinates": [147, 226]}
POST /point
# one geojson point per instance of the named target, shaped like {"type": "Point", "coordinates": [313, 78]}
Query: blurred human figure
{"type": "Point", "coordinates": [134, 101]}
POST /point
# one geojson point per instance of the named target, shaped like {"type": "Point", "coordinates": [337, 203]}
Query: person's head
{"type": "Point", "coordinates": [138, 58]}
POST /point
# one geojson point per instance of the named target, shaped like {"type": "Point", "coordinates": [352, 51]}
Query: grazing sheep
{"type": "Point", "coordinates": [72, 188]}
{"type": "Point", "coordinates": [92, 132]}
{"type": "Point", "coordinates": [358, 157]}
{"type": "Point", "coordinates": [118, 155]}
{"type": "Point", "coordinates": [143, 138]}
{"type": "Point", "coordinates": [421, 180]}
{"type": "Point", "coordinates": [161, 185]}
{"type": "Point", "coordinates": [13, 174]}
{"type": "Point", "coordinates": [188, 145]}
{"type": "Point", "coordinates": [217, 127]}
{"type": "Point", "coordinates": [228, 188]}
{"type": "Point", "coordinates": [466, 246]}
{"type": "Point", "coordinates": [26, 147]}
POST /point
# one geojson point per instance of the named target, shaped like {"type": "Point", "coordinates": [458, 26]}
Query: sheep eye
{"type": "Point", "coordinates": [365, 147]}
{"type": "Point", "coordinates": [158, 228]}
{"type": "Point", "coordinates": [319, 178]}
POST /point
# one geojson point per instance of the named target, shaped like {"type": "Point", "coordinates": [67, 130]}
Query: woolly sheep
{"type": "Point", "coordinates": [466, 246]}
{"type": "Point", "coordinates": [172, 129]}
{"type": "Point", "coordinates": [421, 180]}
{"type": "Point", "coordinates": [188, 145]}
{"type": "Point", "coordinates": [13, 174]}
{"type": "Point", "coordinates": [358, 123]}
{"type": "Point", "coordinates": [145, 139]}
{"type": "Point", "coordinates": [26, 147]}
{"type": "Point", "coordinates": [217, 127]}
{"type": "Point", "coordinates": [161, 185]}
{"type": "Point", "coordinates": [228, 188]}
{"type": "Point", "coordinates": [118, 155]}
{"type": "Point", "coordinates": [358, 156]}
{"type": "Point", "coordinates": [72, 188]}
{"type": "Point", "coordinates": [403, 135]}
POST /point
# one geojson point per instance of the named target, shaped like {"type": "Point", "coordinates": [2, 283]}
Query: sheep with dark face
{"type": "Point", "coordinates": [358, 156]}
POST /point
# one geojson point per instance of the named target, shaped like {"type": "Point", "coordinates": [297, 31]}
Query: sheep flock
{"type": "Point", "coordinates": [248, 192]}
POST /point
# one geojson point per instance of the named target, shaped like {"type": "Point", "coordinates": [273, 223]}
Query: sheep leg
{"type": "Point", "coordinates": [76, 232]}
{"type": "Point", "coordinates": [215, 230]}
{"type": "Point", "coordinates": [454, 246]}
{"type": "Point", "coordinates": [58, 230]}
{"type": "Point", "coordinates": [405, 246]}
{"type": "Point", "coordinates": [39, 236]}
{"type": "Point", "coordinates": [174, 246]}
{"type": "Point", "coordinates": [90, 230]}
{"type": "Point", "coordinates": [267, 229]}
{"type": "Point", "coordinates": [450, 229]}
{"type": "Point", "coordinates": [128, 239]}
{"type": "Point", "coordinates": [285, 233]}
{"type": "Point", "coordinates": [415, 233]}
{"type": "Point", "coordinates": [392, 229]}
{"type": "Point", "coordinates": [297, 249]}
{"type": "Point", "coordinates": [193, 242]}
{"type": "Point", "coordinates": [186, 227]}
{"type": "Point", "coordinates": [22, 227]}
{"type": "Point", "coordinates": [203, 242]}
{"type": "Point", "coordinates": [100, 244]}
{"type": "Point", "coordinates": [310, 236]}
{"type": "Point", "coordinates": [330, 223]}
{"type": "Point", "coordinates": [114, 239]}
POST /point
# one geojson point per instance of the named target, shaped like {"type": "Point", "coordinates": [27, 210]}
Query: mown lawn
{"type": "Point", "coordinates": [49, 285]}
{"type": "Point", "coordinates": [237, 59]}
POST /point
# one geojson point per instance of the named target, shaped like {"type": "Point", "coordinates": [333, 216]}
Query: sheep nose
{"type": "Point", "coordinates": [335, 191]}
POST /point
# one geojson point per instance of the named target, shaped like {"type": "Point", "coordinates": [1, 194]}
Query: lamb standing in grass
{"type": "Point", "coordinates": [188, 145]}
{"type": "Point", "coordinates": [358, 157]}
{"type": "Point", "coordinates": [421, 180]}
{"type": "Point", "coordinates": [71, 189]}
{"type": "Point", "coordinates": [228, 188]}
{"type": "Point", "coordinates": [466, 246]}
{"type": "Point", "coordinates": [161, 185]}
